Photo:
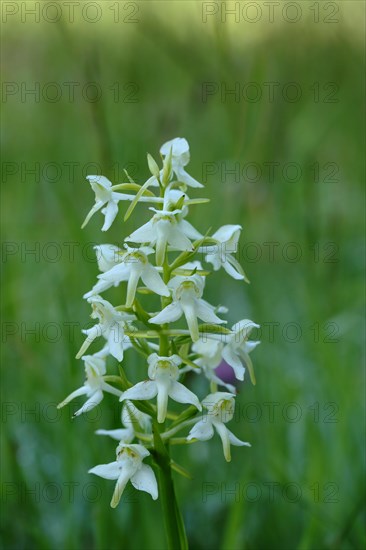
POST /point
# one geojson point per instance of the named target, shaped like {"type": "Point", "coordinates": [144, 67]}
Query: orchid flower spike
{"type": "Point", "coordinates": [220, 406]}
{"type": "Point", "coordinates": [128, 466]}
{"type": "Point", "coordinates": [163, 373]}
{"type": "Point", "coordinates": [111, 326]}
{"type": "Point", "coordinates": [94, 385]}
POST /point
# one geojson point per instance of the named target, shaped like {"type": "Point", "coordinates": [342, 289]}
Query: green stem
{"type": "Point", "coordinates": [174, 525]}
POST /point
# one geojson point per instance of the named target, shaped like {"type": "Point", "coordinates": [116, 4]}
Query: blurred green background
{"type": "Point", "coordinates": [286, 166]}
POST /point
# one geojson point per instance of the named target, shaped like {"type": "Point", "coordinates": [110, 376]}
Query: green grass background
{"type": "Point", "coordinates": [313, 464]}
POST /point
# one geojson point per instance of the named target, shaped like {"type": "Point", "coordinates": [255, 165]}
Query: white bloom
{"type": "Point", "coordinates": [187, 299]}
{"type": "Point", "coordinates": [210, 357]}
{"type": "Point", "coordinates": [104, 195]}
{"type": "Point", "coordinates": [220, 255]}
{"type": "Point", "coordinates": [180, 159]}
{"type": "Point", "coordinates": [108, 255]}
{"type": "Point", "coordinates": [220, 406]}
{"type": "Point", "coordinates": [236, 352]}
{"type": "Point", "coordinates": [94, 385]}
{"type": "Point", "coordinates": [129, 467]}
{"type": "Point", "coordinates": [164, 228]}
{"type": "Point", "coordinates": [132, 419]}
{"type": "Point", "coordinates": [132, 266]}
{"type": "Point", "coordinates": [163, 373]}
{"type": "Point", "coordinates": [111, 326]}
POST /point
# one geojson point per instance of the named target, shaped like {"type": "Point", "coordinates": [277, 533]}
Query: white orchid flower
{"type": "Point", "coordinates": [220, 406]}
{"type": "Point", "coordinates": [132, 266]}
{"type": "Point", "coordinates": [128, 466]}
{"type": "Point", "coordinates": [210, 357]}
{"type": "Point", "coordinates": [111, 326]}
{"type": "Point", "coordinates": [94, 385]}
{"type": "Point", "coordinates": [163, 373]}
{"type": "Point", "coordinates": [221, 254]}
{"type": "Point", "coordinates": [104, 195]}
{"type": "Point", "coordinates": [108, 255]}
{"type": "Point", "coordinates": [132, 419]}
{"type": "Point", "coordinates": [164, 228]}
{"type": "Point", "coordinates": [180, 159]}
{"type": "Point", "coordinates": [187, 300]}
{"type": "Point", "coordinates": [237, 349]}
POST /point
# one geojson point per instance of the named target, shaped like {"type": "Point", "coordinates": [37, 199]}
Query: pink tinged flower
{"type": "Point", "coordinates": [133, 266]}
{"type": "Point", "coordinates": [111, 326]}
{"type": "Point", "coordinates": [180, 159]}
{"type": "Point", "coordinates": [187, 300]}
{"type": "Point", "coordinates": [220, 407]}
{"type": "Point", "coordinates": [163, 374]}
{"type": "Point", "coordinates": [236, 351]}
{"type": "Point", "coordinates": [104, 196]}
{"type": "Point", "coordinates": [221, 254]}
{"type": "Point", "coordinates": [209, 359]}
{"type": "Point", "coordinates": [94, 385]}
{"type": "Point", "coordinates": [128, 466]}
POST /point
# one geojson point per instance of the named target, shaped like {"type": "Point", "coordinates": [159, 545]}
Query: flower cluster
{"type": "Point", "coordinates": [160, 258]}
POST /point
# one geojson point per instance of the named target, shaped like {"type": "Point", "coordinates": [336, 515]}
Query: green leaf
{"type": "Point", "coordinates": [214, 329]}
{"type": "Point", "coordinates": [190, 363]}
{"type": "Point", "coordinates": [139, 194]}
{"type": "Point", "coordinates": [124, 381]}
{"type": "Point", "coordinates": [189, 272]}
{"type": "Point", "coordinates": [132, 187]}
{"type": "Point", "coordinates": [113, 379]}
{"type": "Point", "coordinates": [185, 415]}
{"type": "Point", "coordinates": [153, 167]}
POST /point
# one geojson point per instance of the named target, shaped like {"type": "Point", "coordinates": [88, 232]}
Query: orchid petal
{"type": "Point", "coordinates": [120, 487]}
{"type": "Point", "coordinates": [189, 230]}
{"type": "Point", "coordinates": [141, 391]}
{"type": "Point", "coordinates": [163, 387]}
{"type": "Point", "coordinates": [233, 360]}
{"type": "Point", "coordinates": [97, 206]}
{"type": "Point", "coordinates": [169, 314]}
{"type": "Point", "coordinates": [237, 442]}
{"type": "Point", "coordinates": [202, 431]}
{"type": "Point", "coordinates": [107, 471]}
{"type": "Point", "coordinates": [178, 240]}
{"type": "Point", "coordinates": [179, 393]}
{"type": "Point", "coordinates": [144, 234]}
{"type": "Point", "coordinates": [152, 280]}
{"type": "Point", "coordinates": [144, 480]}
{"type": "Point", "coordinates": [224, 436]}
{"type": "Point", "coordinates": [110, 212]}
{"type": "Point", "coordinates": [92, 402]}
{"type": "Point", "coordinates": [120, 434]}
{"type": "Point", "coordinates": [80, 391]}
{"type": "Point", "coordinates": [206, 313]}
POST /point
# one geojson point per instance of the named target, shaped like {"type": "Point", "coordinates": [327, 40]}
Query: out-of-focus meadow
{"type": "Point", "coordinates": [280, 155]}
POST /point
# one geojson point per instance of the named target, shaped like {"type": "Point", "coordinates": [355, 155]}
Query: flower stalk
{"type": "Point", "coordinates": [162, 258]}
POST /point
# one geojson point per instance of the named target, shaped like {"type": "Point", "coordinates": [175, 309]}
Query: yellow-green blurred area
{"type": "Point", "coordinates": [270, 97]}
